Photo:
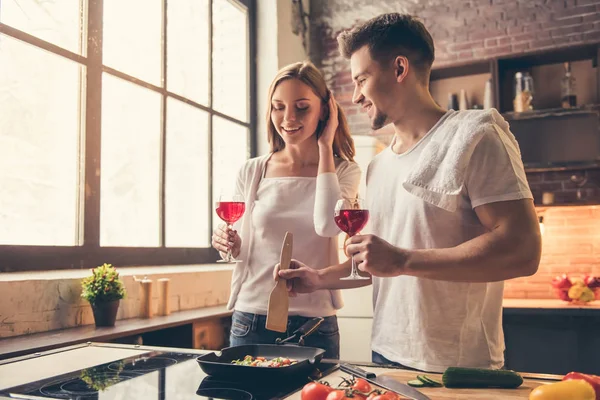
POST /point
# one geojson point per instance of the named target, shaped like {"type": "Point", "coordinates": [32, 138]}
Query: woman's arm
{"type": "Point", "coordinates": [329, 190]}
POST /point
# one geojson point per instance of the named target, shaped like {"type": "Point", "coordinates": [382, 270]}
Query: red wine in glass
{"type": "Point", "coordinates": [351, 216]}
{"type": "Point", "coordinates": [230, 209]}
{"type": "Point", "coordinates": [351, 221]}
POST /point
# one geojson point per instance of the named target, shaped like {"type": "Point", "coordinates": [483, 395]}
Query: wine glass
{"type": "Point", "coordinates": [230, 208]}
{"type": "Point", "coordinates": [351, 216]}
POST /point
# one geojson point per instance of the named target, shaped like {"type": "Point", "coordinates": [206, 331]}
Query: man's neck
{"type": "Point", "coordinates": [415, 124]}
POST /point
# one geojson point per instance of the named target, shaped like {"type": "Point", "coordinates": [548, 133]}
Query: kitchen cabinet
{"type": "Point", "coordinates": [553, 341]}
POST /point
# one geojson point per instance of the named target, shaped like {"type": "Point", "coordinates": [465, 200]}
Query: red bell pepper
{"type": "Point", "coordinates": [593, 380]}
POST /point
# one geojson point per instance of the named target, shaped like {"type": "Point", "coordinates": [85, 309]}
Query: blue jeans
{"type": "Point", "coordinates": [247, 328]}
{"type": "Point", "coordinates": [379, 359]}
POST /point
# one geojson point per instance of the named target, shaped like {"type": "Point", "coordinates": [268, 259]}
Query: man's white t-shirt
{"type": "Point", "coordinates": [429, 324]}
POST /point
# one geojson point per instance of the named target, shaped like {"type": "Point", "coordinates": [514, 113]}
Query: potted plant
{"type": "Point", "coordinates": [104, 290]}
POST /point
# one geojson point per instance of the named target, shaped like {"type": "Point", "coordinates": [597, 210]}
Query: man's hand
{"type": "Point", "coordinates": [376, 256]}
{"type": "Point", "coordinates": [300, 278]}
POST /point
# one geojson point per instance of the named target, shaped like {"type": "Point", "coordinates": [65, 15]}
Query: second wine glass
{"type": "Point", "coordinates": [230, 209]}
{"type": "Point", "coordinates": [351, 216]}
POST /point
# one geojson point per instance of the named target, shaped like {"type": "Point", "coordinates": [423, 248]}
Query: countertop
{"type": "Point", "coordinates": [549, 307]}
{"type": "Point", "coordinates": [66, 360]}
{"type": "Point", "coordinates": [20, 345]}
{"type": "Point", "coordinates": [403, 376]}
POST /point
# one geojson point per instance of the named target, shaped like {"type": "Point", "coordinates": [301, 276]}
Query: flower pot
{"type": "Point", "coordinates": [105, 314]}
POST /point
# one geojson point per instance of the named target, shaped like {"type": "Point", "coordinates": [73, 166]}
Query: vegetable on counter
{"type": "Point", "coordinates": [424, 381]}
{"type": "Point", "coordinates": [349, 389]}
{"type": "Point", "coordinates": [566, 390]}
{"type": "Point", "coordinates": [593, 380]}
{"type": "Point", "coordinates": [460, 377]}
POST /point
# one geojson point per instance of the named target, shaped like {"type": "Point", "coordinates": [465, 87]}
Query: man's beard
{"type": "Point", "coordinates": [379, 121]}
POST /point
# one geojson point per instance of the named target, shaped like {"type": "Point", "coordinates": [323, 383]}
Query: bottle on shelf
{"type": "Point", "coordinates": [523, 100]}
{"type": "Point", "coordinates": [488, 99]}
{"type": "Point", "coordinates": [567, 86]}
{"type": "Point", "coordinates": [463, 103]}
{"type": "Point", "coordinates": [452, 101]}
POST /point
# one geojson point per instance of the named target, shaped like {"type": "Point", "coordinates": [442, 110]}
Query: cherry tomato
{"type": "Point", "coordinates": [315, 391]}
{"type": "Point", "coordinates": [339, 395]}
{"type": "Point", "coordinates": [361, 385]}
{"type": "Point", "coordinates": [384, 396]}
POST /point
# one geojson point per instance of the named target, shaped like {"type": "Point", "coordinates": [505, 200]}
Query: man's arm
{"type": "Point", "coordinates": [511, 248]}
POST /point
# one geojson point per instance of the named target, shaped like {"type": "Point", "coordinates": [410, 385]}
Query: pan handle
{"type": "Point", "coordinates": [306, 329]}
{"type": "Point", "coordinates": [309, 327]}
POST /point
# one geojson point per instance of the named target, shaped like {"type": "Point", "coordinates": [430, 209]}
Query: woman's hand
{"type": "Point", "coordinates": [328, 134]}
{"type": "Point", "coordinates": [225, 238]}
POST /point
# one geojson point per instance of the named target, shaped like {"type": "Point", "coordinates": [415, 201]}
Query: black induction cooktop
{"type": "Point", "coordinates": [154, 375]}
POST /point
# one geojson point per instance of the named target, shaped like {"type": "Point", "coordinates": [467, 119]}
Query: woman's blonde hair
{"type": "Point", "coordinates": [307, 73]}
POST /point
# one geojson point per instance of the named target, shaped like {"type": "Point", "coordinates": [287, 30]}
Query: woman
{"type": "Point", "coordinates": [293, 188]}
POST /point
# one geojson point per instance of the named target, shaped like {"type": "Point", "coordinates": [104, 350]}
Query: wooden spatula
{"type": "Point", "coordinates": [277, 313]}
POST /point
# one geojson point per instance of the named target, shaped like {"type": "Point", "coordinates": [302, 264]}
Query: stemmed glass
{"type": "Point", "coordinates": [230, 208]}
{"type": "Point", "coordinates": [351, 216]}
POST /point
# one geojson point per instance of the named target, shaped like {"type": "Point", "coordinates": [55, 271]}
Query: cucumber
{"type": "Point", "coordinates": [459, 377]}
{"type": "Point", "coordinates": [415, 383]}
{"type": "Point", "coordinates": [428, 381]}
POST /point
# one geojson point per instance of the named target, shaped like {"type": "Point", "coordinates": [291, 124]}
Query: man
{"type": "Point", "coordinates": [451, 213]}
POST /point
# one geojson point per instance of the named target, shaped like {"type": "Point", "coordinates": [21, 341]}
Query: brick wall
{"type": "Point", "coordinates": [571, 244]}
{"type": "Point", "coordinates": [465, 30]}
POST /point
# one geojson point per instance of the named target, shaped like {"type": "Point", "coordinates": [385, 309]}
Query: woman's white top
{"type": "Point", "coordinates": [303, 206]}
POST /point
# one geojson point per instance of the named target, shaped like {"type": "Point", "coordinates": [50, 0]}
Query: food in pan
{"type": "Point", "coordinates": [263, 362]}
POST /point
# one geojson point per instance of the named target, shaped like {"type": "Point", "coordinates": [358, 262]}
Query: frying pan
{"type": "Point", "coordinates": [218, 364]}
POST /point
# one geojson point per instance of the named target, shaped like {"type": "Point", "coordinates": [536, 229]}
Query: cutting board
{"type": "Point", "coordinates": [521, 393]}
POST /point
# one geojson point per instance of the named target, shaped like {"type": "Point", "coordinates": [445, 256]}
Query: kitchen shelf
{"type": "Point", "coordinates": [560, 168]}
{"type": "Point", "coordinates": [552, 112]}
{"type": "Point", "coordinates": [458, 70]}
{"type": "Point", "coordinates": [502, 69]}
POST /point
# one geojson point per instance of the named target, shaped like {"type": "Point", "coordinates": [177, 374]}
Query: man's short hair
{"type": "Point", "coordinates": [389, 36]}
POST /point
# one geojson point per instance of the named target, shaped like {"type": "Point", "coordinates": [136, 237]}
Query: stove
{"type": "Point", "coordinates": [160, 375]}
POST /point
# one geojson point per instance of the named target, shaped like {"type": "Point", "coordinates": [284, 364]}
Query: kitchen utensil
{"type": "Point", "coordinates": [218, 364]}
{"type": "Point", "coordinates": [385, 382]}
{"type": "Point", "coordinates": [277, 313]}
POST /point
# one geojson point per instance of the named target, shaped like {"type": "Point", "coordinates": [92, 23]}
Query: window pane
{"type": "Point", "coordinates": [129, 200]}
{"type": "Point", "coordinates": [186, 199]}
{"type": "Point", "coordinates": [56, 21]}
{"type": "Point", "coordinates": [132, 38]}
{"type": "Point", "coordinates": [187, 49]}
{"type": "Point", "coordinates": [39, 146]}
{"type": "Point", "coordinates": [230, 151]}
{"type": "Point", "coordinates": [230, 59]}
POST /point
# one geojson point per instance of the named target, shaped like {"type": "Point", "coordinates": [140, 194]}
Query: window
{"type": "Point", "coordinates": [121, 121]}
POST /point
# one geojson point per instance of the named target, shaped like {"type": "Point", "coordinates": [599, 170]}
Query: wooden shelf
{"type": "Point", "coordinates": [454, 71]}
{"type": "Point", "coordinates": [552, 112]}
{"type": "Point", "coordinates": [554, 56]}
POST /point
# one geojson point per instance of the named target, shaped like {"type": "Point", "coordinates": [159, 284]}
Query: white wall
{"type": "Point", "coordinates": [276, 47]}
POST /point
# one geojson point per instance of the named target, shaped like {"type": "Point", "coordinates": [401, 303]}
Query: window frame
{"type": "Point", "coordinates": [89, 253]}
